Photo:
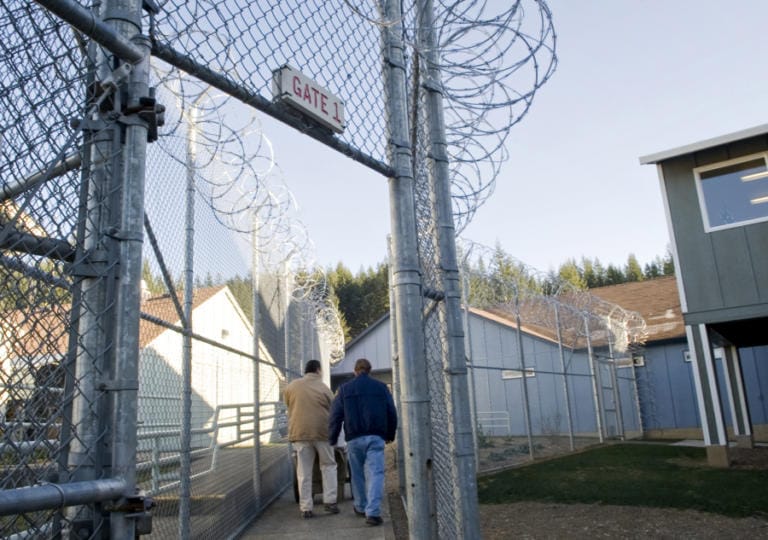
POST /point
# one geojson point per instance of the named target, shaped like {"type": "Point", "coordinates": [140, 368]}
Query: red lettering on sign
{"type": "Point", "coordinates": [314, 100]}
{"type": "Point", "coordinates": [297, 86]}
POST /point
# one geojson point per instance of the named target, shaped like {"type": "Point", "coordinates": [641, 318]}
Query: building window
{"type": "Point", "coordinates": [517, 374]}
{"type": "Point", "coordinates": [719, 354]}
{"type": "Point", "coordinates": [733, 193]}
{"type": "Point", "coordinates": [635, 360]}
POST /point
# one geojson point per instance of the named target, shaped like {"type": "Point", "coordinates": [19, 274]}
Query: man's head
{"type": "Point", "coordinates": [362, 365]}
{"type": "Point", "coordinates": [313, 366]}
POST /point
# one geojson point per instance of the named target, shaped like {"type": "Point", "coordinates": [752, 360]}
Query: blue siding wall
{"type": "Point", "coordinates": [754, 366]}
{"type": "Point", "coordinates": [665, 384]}
{"type": "Point", "coordinates": [494, 348]}
{"type": "Point", "coordinates": [666, 388]}
{"type": "Point", "coordinates": [668, 395]}
{"type": "Point", "coordinates": [628, 397]}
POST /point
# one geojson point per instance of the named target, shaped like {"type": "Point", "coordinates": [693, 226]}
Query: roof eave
{"type": "Point", "coordinates": [703, 145]}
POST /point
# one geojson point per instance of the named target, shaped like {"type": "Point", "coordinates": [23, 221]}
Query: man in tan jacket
{"type": "Point", "coordinates": [309, 404]}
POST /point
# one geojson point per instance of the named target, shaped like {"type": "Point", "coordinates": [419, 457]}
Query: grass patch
{"type": "Point", "coordinates": [652, 475]}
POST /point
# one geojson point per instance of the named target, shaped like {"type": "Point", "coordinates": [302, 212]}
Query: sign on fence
{"type": "Point", "coordinates": [301, 92]}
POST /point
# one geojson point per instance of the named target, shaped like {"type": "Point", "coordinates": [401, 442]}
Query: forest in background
{"type": "Point", "coordinates": [362, 298]}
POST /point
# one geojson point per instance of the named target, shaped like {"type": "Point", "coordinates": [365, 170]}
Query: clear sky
{"type": "Point", "coordinates": [634, 78]}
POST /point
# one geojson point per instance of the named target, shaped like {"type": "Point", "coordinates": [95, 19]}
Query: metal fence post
{"type": "Point", "coordinates": [287, 316]}
{"type": "Point", "coordinates": [471, 367]}
{"type": "Point", "coordinates": [566, 394]}
{"type": "Point", "coordinates": [523, 379]}
{"type": "Point", "coordinates": [256, 363]}
{"type": "Point", "coordinates": [185, 484]}
{"type": "Point", "coordinates": [396, 382]}
{"type": "Point", "coordinates": [406, 283]}
{"type": "Point", "coordinates": [636, 398]}
{"type": "Point", "coordinates": [465, 488]}
{"type": "Point", "coordinates": [594, 370]}
{"type": "Point", "coordinates": [125, 412]}
{"type": "Point", "coordinates": [615, 382]}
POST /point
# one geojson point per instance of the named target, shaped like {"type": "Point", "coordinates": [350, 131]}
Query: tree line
{"type": "Point", "coordinates": [362, 298]}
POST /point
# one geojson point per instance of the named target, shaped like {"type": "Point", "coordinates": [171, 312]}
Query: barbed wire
{"type": "Point", "coordinates": [235, 171]}
{"type": "Point", "coordinates": [494, 57]}
{"type": "Point", "coordinates": [517, 288]}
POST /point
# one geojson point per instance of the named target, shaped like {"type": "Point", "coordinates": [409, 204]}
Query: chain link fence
{"type": "Point", "coordinates": [205, 443]}
{"type": "Point", "coordinates": [552, 366]}
{"type": "Point", "coordinates": [158, 290]}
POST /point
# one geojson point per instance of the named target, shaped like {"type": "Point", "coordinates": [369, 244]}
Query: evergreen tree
{"type": "Point", "coordinates": [242, 289]}
{"type": "Point", "coordinates": [588, 273]}
{"type": "Point", "coordinates": [632, 271]}
{"type": "Point", "coordinates": [653, 269]}
{"type": "Point", "coordinates": [154, 283]}
{"type": "Point", "coordinates": [668, 268]}
{"type": "Point", "coordinates": [570, 273]}
{"type": "Point", "coordinates": [613, 275]}
{"type": "Point", "coordinates": [362, 298]}
{"type": "Point", "coordinates": [601, 277]}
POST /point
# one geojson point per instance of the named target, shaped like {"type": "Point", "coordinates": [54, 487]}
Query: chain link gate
{"type": "Point", "coordinates": [116, 399]}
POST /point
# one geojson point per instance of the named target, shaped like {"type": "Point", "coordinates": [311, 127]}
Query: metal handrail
{"type": "Point", "coordinates": [156, 462]}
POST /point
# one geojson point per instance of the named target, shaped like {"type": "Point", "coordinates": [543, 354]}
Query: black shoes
{"type": "Point", "coordinates": [332, 508]}
{"type": "Point", "coordinates": [374, 520]}
{"type": "Point", "coordinates": [307, 514]}
{"type": "Point", "coordinates": [358, 512]}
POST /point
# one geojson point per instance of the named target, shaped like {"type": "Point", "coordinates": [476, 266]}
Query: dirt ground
{"type": "Point", "coordinates": [532, 520]}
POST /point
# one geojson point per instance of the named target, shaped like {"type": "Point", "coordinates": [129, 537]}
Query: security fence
{"type": "Point", "coordinates": [158, 290]}
{"type": "Point", "coordinates": [552, 366]}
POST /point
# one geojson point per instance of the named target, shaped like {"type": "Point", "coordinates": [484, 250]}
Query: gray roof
{"type": "Point", "coordinates": [703, 145]}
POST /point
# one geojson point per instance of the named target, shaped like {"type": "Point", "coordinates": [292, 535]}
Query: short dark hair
{"type": "Point", "coordinates": [313, 366]}
{"type": "Point", "coordinates": [362, 366]}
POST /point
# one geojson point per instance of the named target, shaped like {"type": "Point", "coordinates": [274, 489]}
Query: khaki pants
{"type": "Point", "coordinates": [305, 462]}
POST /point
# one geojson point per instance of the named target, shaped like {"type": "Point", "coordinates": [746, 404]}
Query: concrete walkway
{"type": "Point", "coordinates": [282, 521]}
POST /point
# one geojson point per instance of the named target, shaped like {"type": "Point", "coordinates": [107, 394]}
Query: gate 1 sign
{"type": "Point", "coordinates": [301, 92]}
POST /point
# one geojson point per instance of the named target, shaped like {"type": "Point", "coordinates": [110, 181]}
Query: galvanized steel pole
{"type": "Point", "coordinates": [126, 16]}
{"type": "Point", "coordinates": [256, 363]}
{"type": "Point", "coordinates": [465, 473]}
{"type": "Point", "coordinates": [185, 472]}
{"type": "Point", "coordinates": [47, 496]}
{"type": "Point", "coordinates": [471, 367]}
{"type": "Point", "coordinates": [636, 399]}
{"type": "Point", "coordinates": [523, 381]}
{"type": "Point", "coordinates": [396, 383]}
{"type": "Point", "coordinates": [566, 394]}
{"type": "Point", "coordinates": [97, 29]}
{"type": "Point", "coordinates": [615, 384]}
{"type": "Point", "coordinates": [406, 282]}
{"type": "Point", "coordinates": [596, 386]}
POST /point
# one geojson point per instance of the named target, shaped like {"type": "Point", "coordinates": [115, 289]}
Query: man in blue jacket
{"type": "Point", "coordinates": [367, 410]}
